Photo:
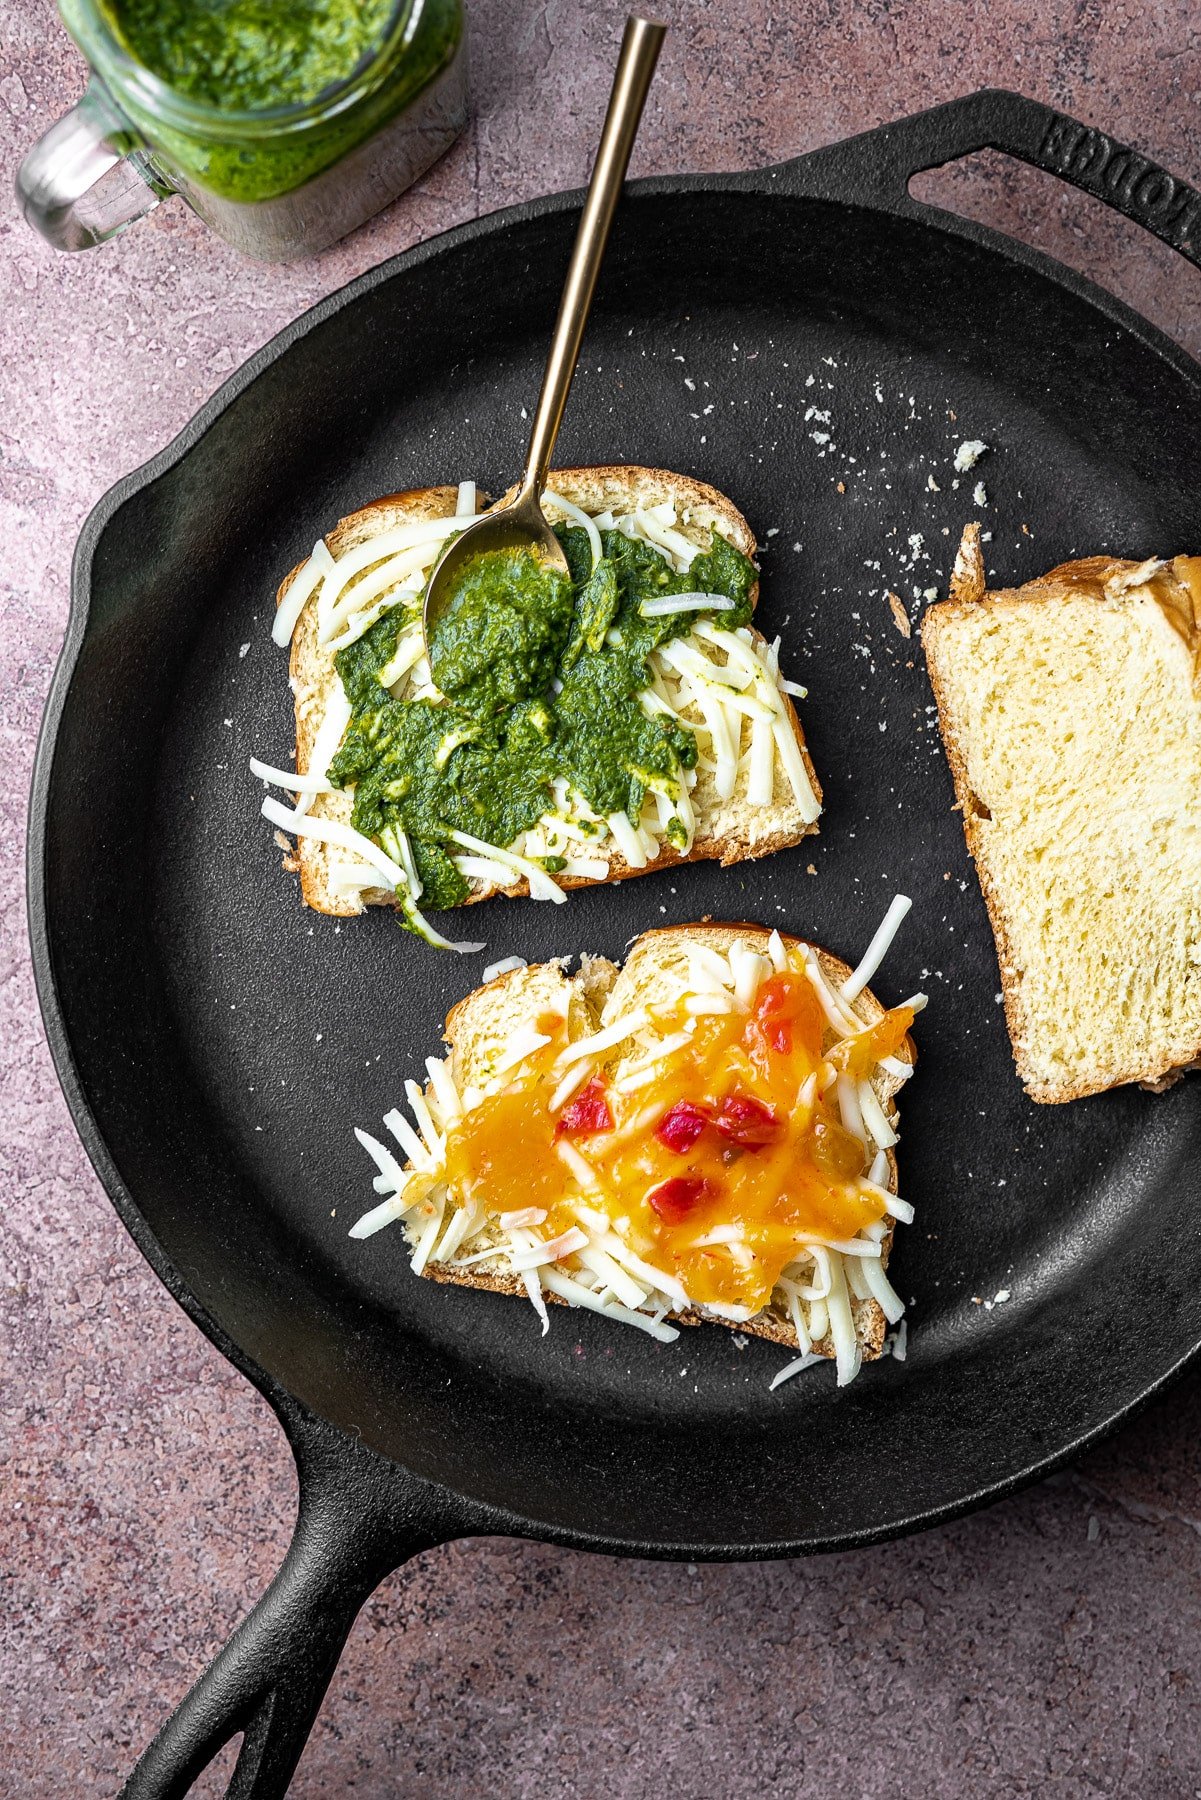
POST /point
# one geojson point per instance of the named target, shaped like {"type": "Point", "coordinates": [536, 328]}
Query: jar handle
{"type": "Point", "coordinates": [89, 176]}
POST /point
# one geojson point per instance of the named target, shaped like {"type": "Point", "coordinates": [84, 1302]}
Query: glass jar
{"type": "Point", "coordinates": [277, 182]}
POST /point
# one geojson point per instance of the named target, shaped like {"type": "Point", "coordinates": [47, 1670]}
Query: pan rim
{"type": "Point", "coordinates": [488, 1517]}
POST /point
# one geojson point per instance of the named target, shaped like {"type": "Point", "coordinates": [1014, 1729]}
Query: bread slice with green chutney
{"type": "Point", "coordinates": [741, 785]}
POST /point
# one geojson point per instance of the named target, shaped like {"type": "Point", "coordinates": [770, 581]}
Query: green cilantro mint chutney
{"type": "Point", "coordinates": [234, 60]}
{"type": "Point", "coordinates": [503, 632]}
{"type": "Point", "coordinates": [246, 55]}
{"type": "Point", "coordinates": [540, 681]}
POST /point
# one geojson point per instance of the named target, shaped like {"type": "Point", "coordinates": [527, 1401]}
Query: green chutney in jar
{"type": "Point", "coordinates": [331, 72]}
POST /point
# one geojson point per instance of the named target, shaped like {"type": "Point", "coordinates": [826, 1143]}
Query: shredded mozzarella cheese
{"type": "Point", "coordinates": [427, 1240]}
{"type": "Point", "coordinates": [359, 595]}
{"type": "Point", "coordinates": [892, 1203]}
{"type": "Point", "coordinates": [578, 517]}
{"type": "Point", "coordinates": [379, 1217]}
{"type": "Point", "coordinates": [878, 949]}
{"type": "Point", "coordinates": [503, 967]}
{"type": "Point", "coordinates": [383, 1158]}
{"type": "Point", "coordinates": [533, 1288]}
{"type": "Point", "coordinates": [628, 841]}
{"type": "Point", "coordinates": [332, 831]}
{"type": "Point", "coordinates": [585, 868]}
{"type": "Point", "coordinates": [883, 1292]}
{"type": "Point", "coordinates": [807, 1361]}
{"type": "Point", "coordinates": [329, 736]}
{"type": "Point", "coordinates": [288, 778]}
{"type": "Point", "coordinates": [287, 613]}
{"type": "Point", "coordinates": [541, 885]}
{"type": "Point", "coordinates": [576, 1294]}
{"type": "Point", "coordinates": [425, 535]}
{"type": "Point", "coordinates": [417, 1152]}
{"type": "Point", "coordinates": [663, 605]}
{"type": "Point", "coordinates": [874, 1117]}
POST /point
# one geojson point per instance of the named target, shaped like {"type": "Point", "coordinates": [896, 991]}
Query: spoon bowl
{"type": "Point", "coordinates": [521, 525]}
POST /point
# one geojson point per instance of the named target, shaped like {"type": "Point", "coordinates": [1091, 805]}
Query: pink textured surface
{"type": "Point", "coordinates": [1048, 1646]}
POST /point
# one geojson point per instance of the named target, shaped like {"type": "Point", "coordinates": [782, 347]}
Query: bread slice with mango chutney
{"type": "Point", "coordinates": [704, 1135]}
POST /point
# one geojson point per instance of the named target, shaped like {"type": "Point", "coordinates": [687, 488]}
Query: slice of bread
{"type": "Point", "coordinates": [1071, 713]}
{"type": "Point", "coordinates": [728, 830]}
{"type": "Point", "coordinates": [481, 1028]}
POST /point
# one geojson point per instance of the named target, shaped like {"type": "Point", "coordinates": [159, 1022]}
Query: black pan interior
{"type": "Point", "coordinates": [226, 1039]}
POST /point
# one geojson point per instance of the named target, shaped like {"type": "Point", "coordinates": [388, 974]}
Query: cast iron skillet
{"type": "Point", "coordinates": [215, 1041]}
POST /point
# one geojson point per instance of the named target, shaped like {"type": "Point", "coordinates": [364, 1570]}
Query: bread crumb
{"type": "Point", "coordinates": [900, 617]}
{"type": "Point", "coordinates": [810, 870]}
{"type": "Point", "coordinates": [842, 487]}
{"type": "Point", "coordinates": [969, 454]}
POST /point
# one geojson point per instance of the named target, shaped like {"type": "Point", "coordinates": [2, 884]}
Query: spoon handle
{"type": "Point", "coordinates": [639, 53]}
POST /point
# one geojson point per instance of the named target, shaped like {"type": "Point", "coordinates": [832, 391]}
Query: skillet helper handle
{"type": "Point", "coordinates": [359, 1518]}
{"type": "Point", "coordinates": [885, 160]}
{"type": "Point", "coordinates": [640, 48]}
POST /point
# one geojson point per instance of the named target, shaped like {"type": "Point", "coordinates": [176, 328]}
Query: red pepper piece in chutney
{"type": "Point", "coordinates": [748, 1122]}
{"type": "Point", "coordinates": [787, 1009]}
{"type": "Point", "coordinates": [680, 1127]}
{"type": "Point", "coordinates": [587, 1114]}
{"type": "Point", "coordinates": [675, 1198]}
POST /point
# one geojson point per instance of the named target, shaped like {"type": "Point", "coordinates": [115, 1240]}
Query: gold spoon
{"type": "Point", "coordinates": [521, 524]}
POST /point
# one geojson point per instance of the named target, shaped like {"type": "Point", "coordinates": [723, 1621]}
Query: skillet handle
{"type": "Point", "coordinates": [359, 1518]}
{"type": "Point", "coordinates": [881, 163]}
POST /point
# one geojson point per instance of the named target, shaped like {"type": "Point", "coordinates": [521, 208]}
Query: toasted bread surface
{"type": "Point", "coordinates": [1070, 709]}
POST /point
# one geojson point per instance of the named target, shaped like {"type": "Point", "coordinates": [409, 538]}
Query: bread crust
{"type": "Point", "coordinates": [596, 489]}
{"type": "Point", "coordinates": [1084, 576]}
{"type": "Point", "coordinates": [870, 1324]}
